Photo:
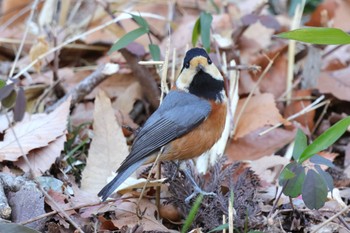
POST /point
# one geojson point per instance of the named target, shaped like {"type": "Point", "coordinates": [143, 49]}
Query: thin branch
{"type": "Point", "coordinates": [331, 218]}
{"type": "Point", "coordinates": [35, 4]}
{"type": "Point", "coordinates": [305, 110]}
{"type": "Point", "coordinates": [83, 88]}
{"type": "Point", "coordinates": [252, 92]}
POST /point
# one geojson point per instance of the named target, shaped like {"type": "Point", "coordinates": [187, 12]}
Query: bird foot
{"type": "Point", "coordinates": [196, 191]}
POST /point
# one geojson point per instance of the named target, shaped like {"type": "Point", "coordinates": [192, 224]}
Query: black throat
{"type": "Point", "coordinates": [205, 86]}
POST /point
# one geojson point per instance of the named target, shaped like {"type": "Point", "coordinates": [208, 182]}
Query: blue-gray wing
{"type": "Point", "coordinates": [179, 113]}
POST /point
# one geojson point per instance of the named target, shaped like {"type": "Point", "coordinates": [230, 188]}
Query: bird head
{"type": "Point", "coordinates": [200, 76]}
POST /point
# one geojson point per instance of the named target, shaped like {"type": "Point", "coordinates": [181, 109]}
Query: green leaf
{"type": "Point", "coordinates": [140, 21]}
{"type": "Point", "coordinates": [15, 228]}
{"type": "Point", "coordinates": [326, 176]}
{"type": "Point", "coordinates": [20, 105]}
{"type": "Point", "coordinates": [6, 90]}
{"type": "Point", "coordinates": [286, 174]}
{"type": "Point", "coordinates": [196, 32]}
{"type": "Point", "coordinates": [326, 139]}
{"type": "Point", "coordinates": [155, 51]}
{"type": "Point", "coordinates": [317, 35]}
{"type": "Point", "coordinates": [321, 160]}
{"type": "Point", "coordinates": [293, 187]}
{"type": "Point", "coordinates": [127, 39]}
{"type": "Point", "coordinates": [314, 190]}
{"type": "Point", "coordinates": [300, 144]}
{"type": "Point", "coordinates": [9, 100]}
{"type": "Point", "coordinates": [2, 83]}
{"type": "Point", "coordinates": [205, 23]}
{"type": "Point", "coordinates": [219, 228]}
{"type": "Point", "coordinates": [192, 214]}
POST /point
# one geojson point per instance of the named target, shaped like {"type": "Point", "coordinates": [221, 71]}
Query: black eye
{"type": "Point", "coordinates": [209, 61]}
{"type": "Point", "coordinates": [187, 65]}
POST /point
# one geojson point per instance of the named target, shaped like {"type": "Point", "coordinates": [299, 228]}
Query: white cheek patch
{"type": "Point", "coordinates": [185, 78]}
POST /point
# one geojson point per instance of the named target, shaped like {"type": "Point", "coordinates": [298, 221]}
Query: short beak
{"type": "Point", "coordinates": [199, 67]}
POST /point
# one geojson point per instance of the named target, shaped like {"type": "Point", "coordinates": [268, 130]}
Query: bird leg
{"type": "Point", "coordinates": [196, 188]}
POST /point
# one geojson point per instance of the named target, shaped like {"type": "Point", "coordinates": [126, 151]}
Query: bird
{"type": "Point", "coordinates": [190, 122]}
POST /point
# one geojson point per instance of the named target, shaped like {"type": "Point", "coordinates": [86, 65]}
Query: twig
{"type": "Point", "coordinates": [69, 219]}
{"type": "Point", "coordinates": [18, 54]}
{"type": "Point", "coordinates": [55, 212]}
{"type": "Point", "coordinates": [307, 109]}
{"type": "Point", "coordinates": [345, 209]}
{"type": "Point", "coordinates": [318, 122]}
{"type": "Point", "coordinates": [15, 17]}
{"type": "Point", "coordinates": [253, 68]}
{"type": "Point", "coordinates": [25, 69]}
{"type": "Point", "coordinates": [150, 63]}
{"type": "Point", "coordinates": [341, 219]}
{"type": "Point", "coordinates": [83, 88]}
{"type": "Point", "coordinates": [291, 47]}
{"type": "Point", "coordinates": [145, 78]}
{"type": "Point", "coordinates": [252, 92]}
{"type": "Point", "coordinates": [138, 211]}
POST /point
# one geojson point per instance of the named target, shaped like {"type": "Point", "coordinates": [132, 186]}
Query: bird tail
{"type": "Point", "coordinates": [118, 180]}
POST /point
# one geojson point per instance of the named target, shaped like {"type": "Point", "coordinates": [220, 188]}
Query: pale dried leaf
{"type": "Point", "coordinates": [260, 111]}
{"type": "Point", "coordinates": [37, 50]}
{"type": "Point", "coordinates": [337, 83]}
{"type": "Point", "coordinates": [126, 100]}
{"type": "Point", "coordinates": [41, 159]}
{"type": "Point", "coordinates": [34, 132]}
{"type": "Point", "coordinates": [252, 146]}
{"type": "Point", "coordinates": [108, 147]}
{"type": "Point", "coordinates": [126, 216]}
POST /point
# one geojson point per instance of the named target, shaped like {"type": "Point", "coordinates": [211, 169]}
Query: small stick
{"type": "Point", "coordinates": [345, 209]}
{"type": "Point", "coordinates": [252, 91]}
{"type": "Point", "coordinates": [150, 63]}
{"type": "Point", "coordinates": [138, 211]}
{"type": "Point", "coordinates": [307, 109]}
{"type": "Point", "coordinates": [23, 38]}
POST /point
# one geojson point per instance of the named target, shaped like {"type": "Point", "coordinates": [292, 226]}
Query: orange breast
{"type": "Point", "coordinates": [199, 139]}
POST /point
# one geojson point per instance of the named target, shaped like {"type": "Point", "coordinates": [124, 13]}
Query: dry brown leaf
{"type": "Point", "coordinates": [37, 50]}
{"type": "Point", "coordinates": [126, 100]}
{"type": "Point", "coordinates": [108, 147]}
{"type": "Point", "coordinates": [341, 15]}
{"type": "Point", "coordinates": [35, 132]}
{"type": "Point", "coordinates": [260, 111]}
{"type": "Point", "coordinates": [262, 166]}
{"type": "Point", "coordinates": [323, 14]}
{"type": "Point", "coordinates": [337, 83]}
{"type": "Point", "coordinates": [253, 146]}
{"type": "Point", "coordinates": [126, 216]}
{"type": "Point", "coordinates": [307, 119]}
{"type": "Point", "coordinates": [41, 159]}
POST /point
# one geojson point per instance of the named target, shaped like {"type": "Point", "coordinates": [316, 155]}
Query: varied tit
{"type": "Point", "coordinates": [191, 121]}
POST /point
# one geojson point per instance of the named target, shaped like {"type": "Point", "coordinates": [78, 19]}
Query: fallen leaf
{"type": "Point", "coordinates": [126, 100]}
{"type": "Point", "coordinates": [41, 159]}
{"type": "Point", "coordinates": [34, 132]}
{"type": "Point", "coordinates": [108, 147]}
{"type": "Point", "coordinates": [262, 166]}
{"type": "Point", "coordinates": [336, 82]}
{"type": "Point", "coordinates": [297, 105]}
{"type": "Point", "coordinates": [323, 14]}
{"type": "Point", "coordinates": [252, 146]}
{"type": "Point", "coordinates": [264, 107]}
{"type": "Point", "coordinates": [126, 216]}
{"type": "Point", "coordinates": [39, 48]}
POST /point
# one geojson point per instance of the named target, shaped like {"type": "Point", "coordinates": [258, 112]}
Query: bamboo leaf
{"type": "Point", "coordinates": [317, 35]}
